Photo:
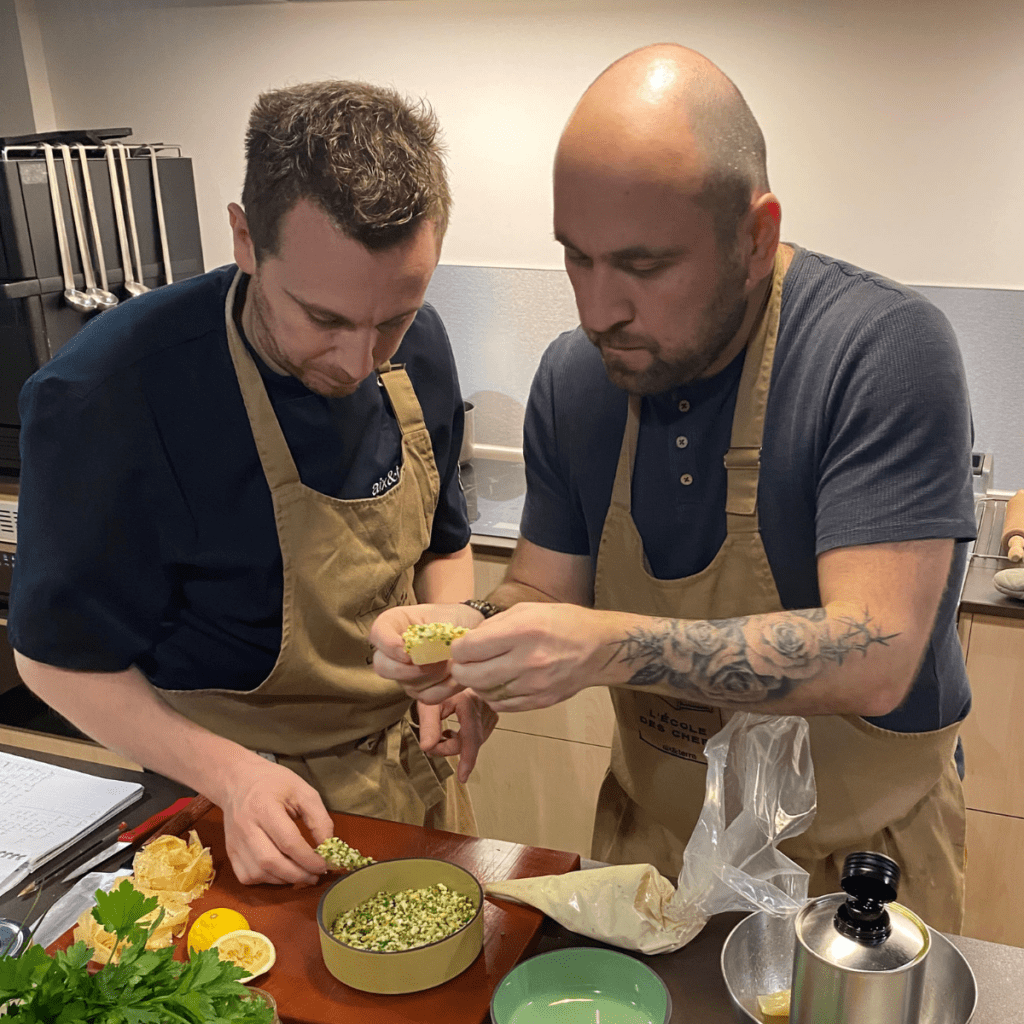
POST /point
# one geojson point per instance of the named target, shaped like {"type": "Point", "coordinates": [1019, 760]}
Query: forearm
{"type": "Point", "coordinates": [444, 579]}
{"type": "Point", "coordinates": [122, 711]}
{"type": "Point", "coordinates": [839, 660]}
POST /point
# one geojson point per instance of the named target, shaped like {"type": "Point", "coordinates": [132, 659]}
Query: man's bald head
{"type": "Point", "coordinates": [666, 113]}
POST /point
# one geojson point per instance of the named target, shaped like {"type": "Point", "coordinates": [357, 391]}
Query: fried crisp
{"type": "Point", "coordinates": [89, 930]}
{"type": "Point", "coordinates": [169, 864]}
{"type": "Point", "coordinates": [173, 871]}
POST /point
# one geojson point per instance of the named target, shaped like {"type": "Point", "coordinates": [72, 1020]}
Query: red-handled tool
{"type": "Point", "coordinates": [132, 837]}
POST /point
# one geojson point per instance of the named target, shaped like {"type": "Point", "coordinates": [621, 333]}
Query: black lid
{"type": "Point", "coordinates": [870, 880]}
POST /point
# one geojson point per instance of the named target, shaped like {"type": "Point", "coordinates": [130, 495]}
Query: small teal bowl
{"type": "Point", "coordinates": [581, 986]}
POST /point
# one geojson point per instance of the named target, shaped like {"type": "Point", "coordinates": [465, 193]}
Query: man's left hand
{"type": "Point", "coordinates": [476, 722]}
{"type": "Point", "coordinates": [533, 655]}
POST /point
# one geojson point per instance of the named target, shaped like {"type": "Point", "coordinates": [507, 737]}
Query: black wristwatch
{"type": "Point", "coordinates": [485, 608]}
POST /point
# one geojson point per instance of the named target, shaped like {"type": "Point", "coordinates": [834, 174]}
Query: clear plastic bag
{"type": "Point", "coordinates": [760, 790]}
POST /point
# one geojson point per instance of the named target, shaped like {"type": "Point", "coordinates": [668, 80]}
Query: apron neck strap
{"type": "Point", "coordinates": [406, 405]}
{"type": "Point", "coordinates": [623, 486]}
{"type": "Point", "coordinates": [278, 465]}
{"type": "Point", "coordinates": [743, 459]}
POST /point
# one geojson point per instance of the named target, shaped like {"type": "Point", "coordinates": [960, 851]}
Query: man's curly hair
{"type": "Point", "coordinates": [372, 160]}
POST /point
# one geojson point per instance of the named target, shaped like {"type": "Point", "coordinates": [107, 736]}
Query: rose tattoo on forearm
{"type": "Point", "coordinates": [744, 660]}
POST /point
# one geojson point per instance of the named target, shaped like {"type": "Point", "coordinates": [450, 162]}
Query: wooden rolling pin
{"type": "Point", "coordinates": [1013, 528]}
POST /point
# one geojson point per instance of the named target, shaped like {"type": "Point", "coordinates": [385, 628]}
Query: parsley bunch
{"type": "Point", "coordinates": [145, 987]}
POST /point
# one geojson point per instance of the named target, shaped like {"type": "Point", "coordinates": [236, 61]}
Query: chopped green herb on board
{"type": "Point", "coordinates": [146, 987]}
{"type": "Point", "coordinates": [340, 855]}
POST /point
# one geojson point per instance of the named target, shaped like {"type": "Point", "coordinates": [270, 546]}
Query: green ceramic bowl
{"type": "Point", "coordinates": [581, 986]}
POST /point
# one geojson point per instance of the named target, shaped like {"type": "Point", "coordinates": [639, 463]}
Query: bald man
{"type": "Point", "coordinates": [748, 489]}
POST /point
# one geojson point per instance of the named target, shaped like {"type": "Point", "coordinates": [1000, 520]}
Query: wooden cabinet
{"type": "Point", "coordinates": [994, 780]}
{"type": "Point", "coordinates": [538, 775]}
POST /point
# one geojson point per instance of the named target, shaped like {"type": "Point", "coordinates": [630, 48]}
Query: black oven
{"type": "Point", "coordinates": [77, 205]}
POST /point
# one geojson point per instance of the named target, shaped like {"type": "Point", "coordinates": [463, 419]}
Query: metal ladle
{"type": "Point", "coordinates": [130, 208]}
{"type": "Point", "coordinates": [97, 241]}
{"type": "Point", "coordinates": [72, 296]}
{"type": "Point", "coordinates": [165, 249]}
{"type": "Point", "coordinates": [130, 284]}
{"type": "Point", "coordinates": [102, 298]}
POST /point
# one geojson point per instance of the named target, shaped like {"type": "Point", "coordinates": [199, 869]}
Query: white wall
{"type": "Point", "coordinates": [15, 100]}
{"type": "Point", "coordinates": [893, 126]}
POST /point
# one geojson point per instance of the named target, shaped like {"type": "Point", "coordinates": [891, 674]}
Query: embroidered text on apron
{"type": "Point", "coordinates": [897, 793]}
{"type": "Point", "coordinates": [323, 711]}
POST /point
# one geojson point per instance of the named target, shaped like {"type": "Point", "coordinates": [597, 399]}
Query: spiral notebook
{"type": "Point", "coordinates": [44, 809]}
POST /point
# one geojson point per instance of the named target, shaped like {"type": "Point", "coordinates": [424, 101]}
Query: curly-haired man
{"type": "Point", "coordinates": [257, 461]}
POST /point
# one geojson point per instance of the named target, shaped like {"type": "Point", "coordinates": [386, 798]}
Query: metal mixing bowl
{"type": "Point", "coordinates": [757, 959]}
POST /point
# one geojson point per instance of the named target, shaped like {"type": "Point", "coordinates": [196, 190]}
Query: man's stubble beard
{"type": "Point", "coordinates": [719, 326]}
{"type": "Point", "coordinates": [266, 344]}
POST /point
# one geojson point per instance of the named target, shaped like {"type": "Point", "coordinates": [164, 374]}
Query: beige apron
{"type": "Point", "coordinates": [897, 793]}
{"type": "Point", "coordinates": [322, 711]}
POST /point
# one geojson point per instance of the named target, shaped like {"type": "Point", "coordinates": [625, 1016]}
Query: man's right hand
{"type": "Point", "coordinates": [261, 801]}
{"type": "Point", "coordinates": [430, 683]}
{"type": "Point", "coordinates": [261, 808]}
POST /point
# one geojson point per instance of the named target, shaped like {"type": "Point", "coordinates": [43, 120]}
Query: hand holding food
{"type": "Point", "coordinates": [264, 842]}
{"type": "Point", "coordinates": [392, 660]}
{"type": "Point", "coordinates": [535, 654]}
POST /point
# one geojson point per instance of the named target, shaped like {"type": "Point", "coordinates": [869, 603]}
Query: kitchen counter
{"type": "Point", "coordinates": [692, 973]}
{"type": "Point", "coordinates": [979, 594]}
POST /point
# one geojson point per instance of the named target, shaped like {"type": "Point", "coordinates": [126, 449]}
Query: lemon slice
{"type": "Point", "coordinates": [209, 927]}
{"type": "Point", "coordinates": [776, 1005]}
{"type": "Point", "coordinates": [252, 951]}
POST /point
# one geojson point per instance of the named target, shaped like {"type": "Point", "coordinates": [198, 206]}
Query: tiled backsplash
{"type": "Point", "coordinates": [501, 319]}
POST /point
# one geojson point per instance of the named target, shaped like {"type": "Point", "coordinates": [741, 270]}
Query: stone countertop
{"type": "Point", "coordinates": [979, 595]}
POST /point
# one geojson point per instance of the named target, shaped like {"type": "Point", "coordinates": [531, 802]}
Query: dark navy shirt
{"type": "Point", "coordinates": [867, 439]}
{"type": "Point", "coordinates": [146, 528]}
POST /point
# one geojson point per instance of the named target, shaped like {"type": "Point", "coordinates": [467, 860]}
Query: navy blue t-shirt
{"type": "Point", "coordinates": [146, 530]}
{"type": "Point", "coordinates": [867, 439]}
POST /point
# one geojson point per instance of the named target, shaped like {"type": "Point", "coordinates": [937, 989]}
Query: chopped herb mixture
{"type": "Point", "coordinates": [389, 922]}
{"type": "Point", "coordinates": [338, 853]}
{"type": "Point", "coordinates": [445, 632]}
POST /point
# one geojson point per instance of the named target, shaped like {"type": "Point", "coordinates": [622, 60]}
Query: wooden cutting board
{"type": "Point", "coordinates": [307, 993]}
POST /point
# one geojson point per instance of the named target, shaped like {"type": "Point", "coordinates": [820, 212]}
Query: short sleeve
{"type": "Point", "coordinates": [89, 589]}
{"type": "Point", "coordinates": [896, 462]}
{"type": "Point", "coordinates": [435, 379]}
{"type": "Point", "coordinates": [553, 516]}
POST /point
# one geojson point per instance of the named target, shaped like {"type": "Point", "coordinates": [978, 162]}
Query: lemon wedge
{"type": "Point", "coordinates": [775, 1006]}
{"type": "Point", "coordinates": [252, 951]}
{"type": "Point", "coordinates": [209, 927]}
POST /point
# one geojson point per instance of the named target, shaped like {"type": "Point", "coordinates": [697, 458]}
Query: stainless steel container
{"type": "Point", "coordinates": [859, 956]}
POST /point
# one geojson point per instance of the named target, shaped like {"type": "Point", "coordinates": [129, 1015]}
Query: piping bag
{"type": "Point", "coordinates": [760, 791]}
